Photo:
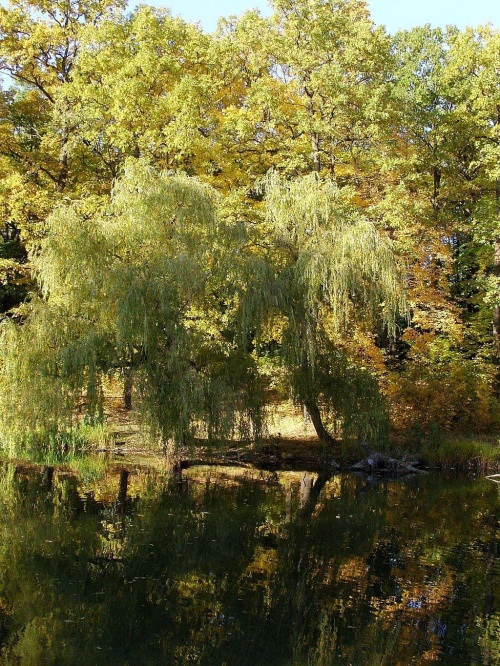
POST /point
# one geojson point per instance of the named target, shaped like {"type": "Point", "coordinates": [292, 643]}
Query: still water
{"type": "Point", "coordinates": [227, 566]}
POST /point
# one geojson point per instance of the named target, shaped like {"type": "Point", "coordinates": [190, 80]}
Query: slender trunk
{"type": "Point", "coordinates": [127, 388]}
{"type": "Point", "coordinates": [63, 168]}
{"type": "Point", "coordinates": [305, 416]}
{"type": "Point", "coordinates": [62, 177]}
{"type": "Point", "coordinates": [323, 435]}
{"type": "Point", "coordinates": [316, 154]}
{"type": "Point", "coordinates": [332, 160]}
{"type": "Point", "coordinates": [437, 187]}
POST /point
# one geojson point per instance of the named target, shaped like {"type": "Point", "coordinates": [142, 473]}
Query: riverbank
{"type": "Point", "coordinates": [468, 455]}
{"type": "Point", "coordinates": [291, 443]}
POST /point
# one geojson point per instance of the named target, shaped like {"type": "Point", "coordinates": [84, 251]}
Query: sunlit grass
{"type": "Point", "coordinates": [54, 448]}
{"type": "Point", "coordinates": [462, 452]}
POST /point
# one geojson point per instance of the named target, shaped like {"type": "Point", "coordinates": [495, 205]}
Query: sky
{"type": "Point", "coordinates": [393, 14]}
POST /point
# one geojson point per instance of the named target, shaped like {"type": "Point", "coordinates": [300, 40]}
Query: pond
{"type": "Point", "coordinates": [234, 566]}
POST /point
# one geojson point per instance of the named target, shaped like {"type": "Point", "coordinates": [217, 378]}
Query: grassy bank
{"type": "Point", "coordinates": [478, 453]}
{"type": "Point", "coordinates": [291, 443]}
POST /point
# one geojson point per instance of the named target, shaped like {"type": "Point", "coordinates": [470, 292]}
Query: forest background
{"type": "Point", "coordinates": [407, 127]}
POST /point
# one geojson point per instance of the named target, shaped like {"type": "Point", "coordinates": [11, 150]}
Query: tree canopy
{"type": "Point", "coordinates": [142, 285]}
{"type": "Point", "coordinates": [298, 203]}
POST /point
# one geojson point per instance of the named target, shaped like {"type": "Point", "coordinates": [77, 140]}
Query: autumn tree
{"type": "Point", "coordinates": [39, 158]}
{"type": "Point", "coordinates": [403, 130]}
{"type": "Point", "coordinates": [328, 273]}
{"type": "Point", "coordinates": [117, 293]}
{"type": "Point", "coordinates": [430, 187]}
{"type": "Point", "coordinates": [314, 78]}
{"type": "Point", "coordinates": [473, 72]}
{"type": "Point", "coordinates": [142, 88]}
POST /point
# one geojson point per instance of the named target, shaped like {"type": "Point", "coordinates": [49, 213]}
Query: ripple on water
{"type": "Point", "coordinates": [232, 565]}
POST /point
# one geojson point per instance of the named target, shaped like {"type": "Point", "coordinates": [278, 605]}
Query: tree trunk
{"type": "Point", "coordinates": [315, 414]}
{"type": "Point", "coordinates": [127, 388]}
{"type": "Point", "coordinates": [436, 189]}
{"type": "Point", "coordinates": [309, 493]}
{"type": "Point", "coordinates": [306, 485]}
{"type": "Point", "coordinates": [315, 141]}
{"type": "Point", "coordinates": [62, 177]}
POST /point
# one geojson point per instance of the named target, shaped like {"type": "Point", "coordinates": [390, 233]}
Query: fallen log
{"type": "Point", "coordinates": [377, 463]}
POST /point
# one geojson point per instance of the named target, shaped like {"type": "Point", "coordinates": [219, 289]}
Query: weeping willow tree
{"type": "Point", "coordinates": [149, 284]}
{"type": "Point", "coordinates": [127, 286]}
{"type": "Point", "coordinates": [328, 272]}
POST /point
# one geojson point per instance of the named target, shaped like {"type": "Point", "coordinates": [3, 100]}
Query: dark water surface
{"type": "Point", "coordinates": [228, 567]}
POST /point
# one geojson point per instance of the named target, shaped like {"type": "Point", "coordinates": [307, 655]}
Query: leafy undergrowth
{"type": "Point", "coordinates": [478, 454]}
{"type": "Point", "coordinates": [73, 448]}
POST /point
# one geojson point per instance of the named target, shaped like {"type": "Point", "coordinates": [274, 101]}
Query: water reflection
{"type": "Point", "coordinates": [234, 567]}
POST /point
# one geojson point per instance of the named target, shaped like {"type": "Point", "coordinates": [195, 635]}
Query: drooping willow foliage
{"type": "Point", "coordinates": [127, 286]}
{"type": "Point", "coordinates": [329, 270]}
{"type": "Point", "coordinates": [151, 283]}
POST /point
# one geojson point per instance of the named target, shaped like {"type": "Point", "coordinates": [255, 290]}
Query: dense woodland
{"type": "Point", "coordinates": [296, 207]}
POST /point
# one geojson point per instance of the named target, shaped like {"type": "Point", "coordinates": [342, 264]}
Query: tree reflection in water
{"type": "Point", "coordinates": [219, 568]}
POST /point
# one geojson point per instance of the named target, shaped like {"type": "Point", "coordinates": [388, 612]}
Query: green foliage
{"type": "Point", "coordinates": [329, 271]}
{"type": "Point", "coordinates": [402, 133]}
{"type": "Point", "coordinates": [116, 292]}
{"type": "Point", "coordinates": [462, 453]}
{"type": "Point", "coordinates": [55, 447]}
{"type": "Point", "coordinates": [346, 392]}
{"type": "Point", "coordinates": [330, 256]}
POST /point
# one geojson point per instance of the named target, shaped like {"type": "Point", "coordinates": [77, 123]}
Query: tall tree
{"type": "Point", "coordinates": [117, 294]}
{"type": "Point", "coordinates": [39, 43]}
{"type": "Point", "coordinates": [329, 272]}
{"type": "Point", "coordinates": [142, 88]}
{"type": "Point", "coordinates": [314, 75]}
{"type": "Point", "coordinates": [473, 71]}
